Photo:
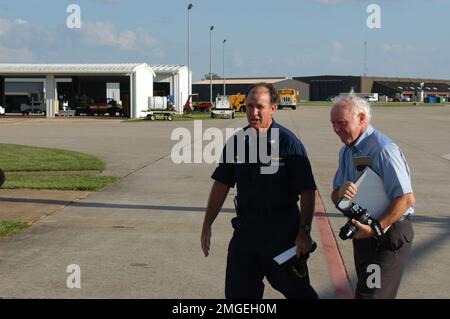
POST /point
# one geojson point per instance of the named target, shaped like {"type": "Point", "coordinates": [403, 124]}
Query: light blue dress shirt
{"type": "Point", "coordinates": [387, 161]}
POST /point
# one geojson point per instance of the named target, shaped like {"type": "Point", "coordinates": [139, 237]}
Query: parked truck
{"type": "Point", "coordinates": [101, 108]}
{"type": "Point", "coordinates": [287, 98]}
{"type": "Point", "coordinates": [223, 107]}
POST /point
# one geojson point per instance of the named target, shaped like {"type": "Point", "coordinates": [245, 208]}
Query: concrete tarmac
{"type": "Point", "coordinates": [140, 238]}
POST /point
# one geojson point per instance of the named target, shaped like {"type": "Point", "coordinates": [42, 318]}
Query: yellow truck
{"type": "Point", "coordinates": [287, 98]}
{"type": "Point", "coordinates": [237, 102]}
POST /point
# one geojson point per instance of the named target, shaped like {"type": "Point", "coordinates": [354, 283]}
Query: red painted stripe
{"type": "Point", "coordinates": [336, 266]}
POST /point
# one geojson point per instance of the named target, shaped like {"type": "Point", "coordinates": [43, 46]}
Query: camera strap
{"type": "Point", "coordinates": [379, 234]}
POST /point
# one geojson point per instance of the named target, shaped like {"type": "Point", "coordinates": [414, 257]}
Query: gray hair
{"type": "Point", "coordinates": [357, 105]}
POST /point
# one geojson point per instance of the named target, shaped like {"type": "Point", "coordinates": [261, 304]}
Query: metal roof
{"type": "Point", "coordinates": [166, 68]}
{"type": "Point", "coordinates": [411, 86]}
{"type": "Point", "coordinates": [243, 80]}
{"type": "Point", "coordinates": [125, 68]}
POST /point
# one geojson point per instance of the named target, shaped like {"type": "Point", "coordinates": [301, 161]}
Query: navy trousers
{"type": "Point", "coordinates": [256, 240]}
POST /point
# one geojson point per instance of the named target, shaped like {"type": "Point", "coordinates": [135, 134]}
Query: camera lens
{"type": "Point", "coordinates": [347, 231]}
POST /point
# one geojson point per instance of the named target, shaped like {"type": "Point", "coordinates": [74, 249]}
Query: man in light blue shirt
{"type": "Point", "coordinates": [368, 147]}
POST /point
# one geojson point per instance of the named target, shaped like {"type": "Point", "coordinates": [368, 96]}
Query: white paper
{"type": "Point", "coordinates": [285, 256]}
{"type": "Point", "coordinates": [371, 194]}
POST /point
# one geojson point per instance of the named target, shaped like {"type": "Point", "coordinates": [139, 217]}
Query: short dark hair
{"type": "Point", "coordinates": [272, 91]}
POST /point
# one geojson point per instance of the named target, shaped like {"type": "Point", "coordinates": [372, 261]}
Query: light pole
{"type": "Point", "coordinates": [210, 74]}
{"type": "Point", "coordinates": [188, 53]}
{"type": "Point", "coordinates": [223, 67]}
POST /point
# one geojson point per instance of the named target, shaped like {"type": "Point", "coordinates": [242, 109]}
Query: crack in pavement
{"type": "Point", "coordinates": [169, 154]}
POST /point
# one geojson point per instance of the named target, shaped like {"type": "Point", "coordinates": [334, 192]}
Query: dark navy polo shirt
{"type": "Point", "coordinates": [255, 189]}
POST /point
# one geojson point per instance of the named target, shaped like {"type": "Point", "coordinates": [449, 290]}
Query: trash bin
{"type": "Point", "coordinates": [430, 99]}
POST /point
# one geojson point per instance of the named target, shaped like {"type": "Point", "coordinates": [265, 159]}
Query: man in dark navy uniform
{"type": "Point", "coordinates": [268, 218]}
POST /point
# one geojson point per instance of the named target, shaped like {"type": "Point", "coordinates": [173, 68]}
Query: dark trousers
{"type": "Point", "coordinates": [250, 259]}
{"type": "Point", "coordinates": [390, 256]}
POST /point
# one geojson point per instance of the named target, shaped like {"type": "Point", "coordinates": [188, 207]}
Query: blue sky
{"type": "Point", "coordinates": [264, 38]}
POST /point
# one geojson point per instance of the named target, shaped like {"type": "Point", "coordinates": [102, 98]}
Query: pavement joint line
{"type": "Point", "coordinates": [144, 166]}
{"type": "Point", "coordinates": [412, 145]}
{"type": "Point", "coordinates": [192, 144]}
{"type": "Point", "coordinates": [79, 203]}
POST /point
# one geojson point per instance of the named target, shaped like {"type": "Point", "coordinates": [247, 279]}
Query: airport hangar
{"type": "Point", "coordinates": [323, 87]}
{"type": "Point", "coordinates": [240, 86]}
{"type": "Point", "coordinates": [132, 84]}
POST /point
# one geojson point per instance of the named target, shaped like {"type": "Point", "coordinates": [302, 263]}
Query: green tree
{"type": "Point", "coordinates": [214, 76]}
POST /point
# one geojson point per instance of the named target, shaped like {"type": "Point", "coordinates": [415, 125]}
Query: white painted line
{"type": "Point", "coordinates": [446, 156]}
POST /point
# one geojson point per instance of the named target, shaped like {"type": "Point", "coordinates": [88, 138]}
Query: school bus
{"type": "Point", "coordinates": [287, 98]}
{"type": "Point", "coordinates": [237, 102]}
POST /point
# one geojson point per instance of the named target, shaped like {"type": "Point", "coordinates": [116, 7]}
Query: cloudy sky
{"type": "Point", "coordinates": [264, 37]}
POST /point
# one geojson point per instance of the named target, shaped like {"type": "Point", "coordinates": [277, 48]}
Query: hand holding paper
{"type": "Point", "coordinates": [370, 195]}
{"type": "Point", "coordinates": [288, 254]}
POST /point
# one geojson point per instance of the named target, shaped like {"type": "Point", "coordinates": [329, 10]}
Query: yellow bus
{"type": "Point", "coordinates": [237, 102]}
{"type": "Point", "coordinates": [287, 98]}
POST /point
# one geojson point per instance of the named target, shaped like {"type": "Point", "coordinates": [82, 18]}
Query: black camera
{"type": "Point", "coordinates": [358, 213]}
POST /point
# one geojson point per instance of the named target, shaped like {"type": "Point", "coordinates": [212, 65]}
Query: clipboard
{"type": "Point", "coordinates": [371, 195]}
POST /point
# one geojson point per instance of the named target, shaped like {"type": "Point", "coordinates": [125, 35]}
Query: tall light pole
{"type": "Point", "coordinates": [210, 74]}
{"type": "Point", "coordinates": [223, 67]}
{"type": "Point", "coordinates": [188, 52]}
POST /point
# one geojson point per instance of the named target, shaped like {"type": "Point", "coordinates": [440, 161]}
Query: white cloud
{"type": "Point", "coordinates": [15, 55]}
{"type": "Point", "coordinates": [20, 22]}
{"type": "Point", "coordinates": [21, 34]}
{"type": "Point", "coordinates": [396, 48]}
{"type": "Point", "coordinates": [337, 52]}
{"type": "Point", "coordinates": [145, 38]}
{"type": "Point", "coordinates": [22, 41]}
{"type": "Point", "coordinates": [105, 34]}
{"type": "Point", "coordinates": [338, 46]}
{"type": "Point", "coordinates": [237, 59]}
{"type": "Point", "coordinates": [7, 26]}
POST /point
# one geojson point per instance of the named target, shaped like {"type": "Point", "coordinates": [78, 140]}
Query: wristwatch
{"type": "Point", "coordinates": [306, 228]}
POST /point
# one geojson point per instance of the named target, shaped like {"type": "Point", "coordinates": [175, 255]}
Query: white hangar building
{"type": "Point", "coordinates": [77, 86]}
